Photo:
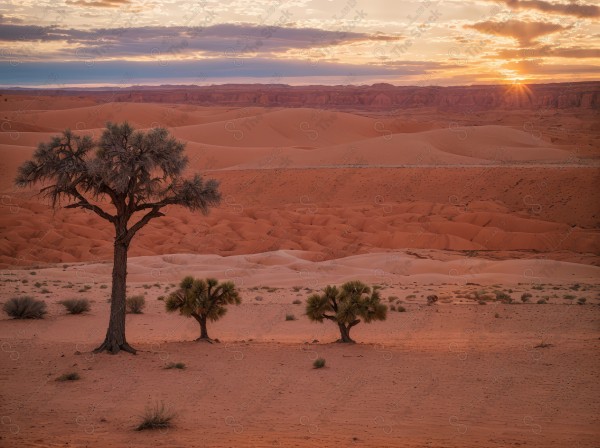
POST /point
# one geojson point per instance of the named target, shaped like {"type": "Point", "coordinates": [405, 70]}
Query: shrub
{"type": "Point", "coordinates": [482, 302]}
{"type": "Point", "coordinates": [25, 307]}
{"type": "Point", "coordinates": [503, 297]}
{"type": "Point", "coordinates": [392, 308]}
{"type": "Point", "coordinates": [71, 376]}
{"type": "Point", "coordinates": [538, 287]}
{"type": "Point", "coordinates": [135, 304]}
{"type": "Point", "coordinates": [496, 315]}
{"type": "Point", "coordinates": [156, 417]}
{"type": "Point", "coordinates": [175, 365]}
{"type": "Point", "coordinates": [103, 286]}
{"type": "Point", "coordinates": [76, 306]}
{"type": "Point", "coordinates": [393, 298]}
{"type": "Point", "coordinates": [319, 363]}
{"type": "Point", "coordinates": [525, 297]}
{"type": "Point", "coordinates": [290, 317]}
{"type": "Point", "coordinates": [542, 302]}
{"type": "Point", "coordinates": [297, 302]}
{"type": "Point", "coordinates": [411, 296]}
{"type": "Point", "coordinates": [581, 301]}
{"type": "Point", "coordinates": [401, 309]}
{"type": "Point", "coordinates": [432, 299]}
{"type": "Point", "coordinates": [569, 297]}
{"type": "Point", "coordinates": [45, 291]}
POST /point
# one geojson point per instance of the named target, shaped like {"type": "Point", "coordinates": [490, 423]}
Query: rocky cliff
{"type": "Point", "coordinates": [583, 95]}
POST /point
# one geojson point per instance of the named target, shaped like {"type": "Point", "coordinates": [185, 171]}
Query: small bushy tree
{"type": "Point", "coordinates": [203, 300]}
{"type": "Point", "coordinates": [346, 306]}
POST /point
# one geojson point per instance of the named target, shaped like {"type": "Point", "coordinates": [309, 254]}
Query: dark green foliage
{"type": "Point", "coordinates": [76, 306]}
{"type": "Point", "coordinates": [525, 297]}
{"type": "Point", "coordinates": [25, 307]}
{"type": "Point", "coordinates": [290, 317]}
{"type": "Point", "coordinates": [136, 304]}
{"type": "Point", "coordinates": [346, 306]}
{"type": "Point", "coordinates": [72, 376]}
{"type": "Point", "coordinates": [156, 417]}
{"type": "Point", "coordinates": [203, 300]}
{"type": "Point", "coordinates": [401, 309]}
{"type": "Point", "coordinates": [319, 363]}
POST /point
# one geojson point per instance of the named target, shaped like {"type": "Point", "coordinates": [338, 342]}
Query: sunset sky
{"type": "Point", "coordinates": [419, 42]}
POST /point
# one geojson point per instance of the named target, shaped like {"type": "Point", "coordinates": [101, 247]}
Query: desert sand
{"type": "Point", "coordinates": [421, 201]}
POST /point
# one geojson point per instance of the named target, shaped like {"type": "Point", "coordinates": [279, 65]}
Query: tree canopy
{"type": "Point", "coordinates": [346, 306]}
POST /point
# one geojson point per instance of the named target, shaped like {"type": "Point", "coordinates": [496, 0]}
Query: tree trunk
{"type": "Point", "coordinates": [345, 333]}
{"type": "Point", "coordinates": [203, 330]}
{"type": "Point", "coordinates": [115, 336]}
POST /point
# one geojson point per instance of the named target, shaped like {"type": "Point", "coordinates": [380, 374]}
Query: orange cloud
{"type": "Point", "coordinates": [99, 3]}
{"type": "Point", "coordinates": [571, 9]}
{"type": "Point", "coordinates": [546, 51]}
{"type": "Point", "coordinates": [524, 32]}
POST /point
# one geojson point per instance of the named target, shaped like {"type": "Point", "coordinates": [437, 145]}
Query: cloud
{"type": "Point", "coordinates": [173, 42]}
{"type": "Point", "coordinates": [524, 32]}
{"type": "Point", "coordinates": [99, 3]}
{"type": "Point", "coordinates": [571, 8]}
{"type": "Point", "coordinates": [221, 69]}
{"type": "Point", "coordinates": [547, 51]}
{"type": "Point", "coordinates": [537, 68]}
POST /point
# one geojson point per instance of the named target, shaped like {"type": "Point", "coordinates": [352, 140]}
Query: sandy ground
{"type": "Point", "coordinates": [420, 203]}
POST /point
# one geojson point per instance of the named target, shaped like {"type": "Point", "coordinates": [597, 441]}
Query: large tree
{"type": "Point", "coordinates": [346, 306]}
{"type": "Point", "coordinates": [203, 300]}
{"type": "Point", "coordinates": [126, 178]}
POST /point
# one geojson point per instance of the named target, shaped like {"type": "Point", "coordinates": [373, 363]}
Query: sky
{"type": "Point", "coordinates": [64, 43]}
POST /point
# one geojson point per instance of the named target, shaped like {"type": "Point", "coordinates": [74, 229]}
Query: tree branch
{"type": "Point", "coordinates": [353, 323]}
{"type": "Point", "coordinates": [84, 203]}
{"type": "Point", "coordinates": [154, 213]}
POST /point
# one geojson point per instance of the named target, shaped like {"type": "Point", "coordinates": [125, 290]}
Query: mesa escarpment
{"type": "Point", "coordinates": [583, 95]}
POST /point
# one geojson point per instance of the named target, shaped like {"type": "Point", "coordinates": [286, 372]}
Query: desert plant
{"type": "Point", "coordinates": [319, 363]}
{"type": "Point", "coordinates": [139, 172]}
{"type": "Point", "coordinates": [542, 302]}
{"type": "Point", "coordinates": [135, 304]}
{"type": "Point", "coordinates": [290, 317]}
{"type": "Point", "coordinates": [569, 297]}
{"type": "Point", "coordinates": [581, 300]}
{"type": "Point", "coordinates": [525, 297]}
{"type": "Point", "coordinates": [25, 307]}
{"type": "Point", "coordinates": [432, 299]}
{"type": "Point", "coordinates": [297, 302]}
{"type": "Point", "coordinates": [203, 300]}
{"type": "Point", "coordinates": [401, 309]}
{"type": "Point", "coordinates": [71, 376]}
{"type": "Point", "coordinates": [76, 306]}
{"type": "Point", "coordinates": [175, 365]}
{"type": "Point", "coordinates": [346, 306]}
{"type": "Point", "coordinates": [156, 417]}
{"type": "Point", "coordinates": [503, 297]}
